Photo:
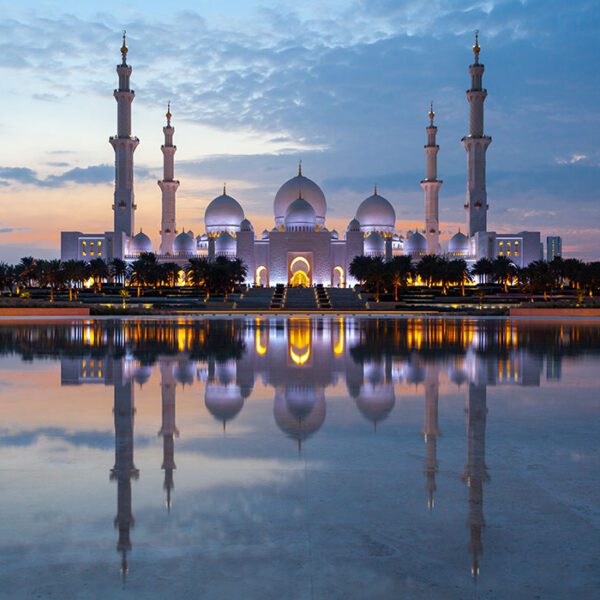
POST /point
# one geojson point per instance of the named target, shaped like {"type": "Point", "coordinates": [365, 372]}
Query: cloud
{"type": "Point", "coordinates": [572, 160]}
{"type": "Point", "coordinates": [13, 229]}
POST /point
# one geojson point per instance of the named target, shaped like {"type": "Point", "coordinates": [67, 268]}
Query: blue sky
{"type": "Point", "coordinates": [256, 86]}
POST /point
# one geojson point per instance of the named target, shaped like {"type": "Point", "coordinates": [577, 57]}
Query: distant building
{"type": "Point", "coordinates": [553, 247]}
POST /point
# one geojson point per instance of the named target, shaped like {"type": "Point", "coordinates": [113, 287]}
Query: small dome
{"type": "Point", "coordinates": [374, 245]}
{"type": "Point", "coordinates": [459, 244]}
{"type": "Point", "coordinates": [245, 225]}
{"type": "Point", "coordinates": [299, 411]}
{"type": "Point", "coordinates": [224, 213]}
{"type": "Point", "coordinates": [307, 189]}
{"type": "Point", "coordinates": [142, 373]}
{"type": "Point", "coordinates": [223, 402]}
{"type": "Point", "coordinates": [265, 234]}
{"type": "Point", "coordinates": [415, 245]}
{"type": "Point", "coordinates": [184, 372]}
{"type": "Point", "coordinates": [335, 235]}
{"type": "Point", "coordinates": [184, 244]}
{"type": "Point", "coordinates": [300, 215]}
{"type": "Point", "coordinates": [141, 243]}
{"type": "Point", "coordinates": [375, 213]}
{"type": "Point", "coordinates": [354, 225]}
{"type": "Point", "coordinates": [226, 245]}
{"type": "Point", "coordinates": [376, 401]}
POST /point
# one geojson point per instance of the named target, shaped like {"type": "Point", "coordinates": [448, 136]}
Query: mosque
{"type": "Point", "coordinates": [300, 250]}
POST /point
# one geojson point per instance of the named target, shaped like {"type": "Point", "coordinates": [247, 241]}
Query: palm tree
{"type": "Point", "coordinates": [118, 270]}
{"type": "Point", "coordinates": [504, 271]}
{"type": "Point", "coordinates": [399, 270]}
{"type": "Point", "coordinates": [27, 270]}
{"type": "Point", "coordinates": [5, 277]}
{"type": "Point", "coordinates": [75, 272]}
{"type": "Point", "coordinates": [145, 271]}
{"type": "Point", "coordinates": [538, 277]}
{"type": "Point", "coordinates": [483, 268]}
{"type": "Point", "coordinates": [430, 269]}
{"type": "Point", "coordinates": [573, 272]}
{"type": "Point", "coordinates": [50, 274]}
{"type": "Point", "coordinates": [98, 270]}
{"type": "Point", "coordinates": [459, 273]}
{"type": "Point", "coordinates": [359, 268]}
{"type": "Point", "coordinates": [170, 273]}
{"type": "Point", "coordinates": [197, 271]}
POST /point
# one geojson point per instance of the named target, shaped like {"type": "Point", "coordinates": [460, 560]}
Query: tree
{"type": "Point", "coordinates": [75, 273]}
{"type": "Point", "coordinates": [504, 271]}
{"type": "Point", "coordinates": [197, 271]}
{"type": "Point", "coordinates": [398, 272]}
{"type": "Point", "coordinates": [574, 272]}
{"type": "Point", "coordinates": [98, 271]}
{"type": "Point", "coordinates": [430, 269]}
{"type": "Point", "coordinates": [458, 273]}
{"type": "Point", "coordinates": [50, 274]}
{"type": "Point", "coordinates": [119, 270]}
{"type": "Point", "coordinates": [27, 270]}
{"type": "Point", "coordinates": [483, 268]}
{"type": "Point", "coordinates": [170, 273]}
{"type": "Point", "coordinates": [359, 268]}
{"type": "Point", "coordinates": [538, 277]}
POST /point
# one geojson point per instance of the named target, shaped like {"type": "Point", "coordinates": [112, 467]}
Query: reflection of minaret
{"type": "Point", "coordinates": [431, 430]}
{"type": "Point", "coordinates": [124, 468]}
{"type": "Point", "coordinates": [168, 429]}
{"type": "Point", "coordinates": [475, 472]}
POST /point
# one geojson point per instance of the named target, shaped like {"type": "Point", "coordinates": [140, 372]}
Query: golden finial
{"type": "Point", "coordinates": [124, 48]}
{"type": "Point", "coordinates": [476, 47]}
{"type": "Point", "coordinates": [300, 168]}
{"type": "Point", "coordinates": [375, 190]}
{"type": "Point", "coordinates": [169, 115]}
{"type": "Point", "coordinates": [431, 113]}
{"type": "Point", "coordinates": [224, 189]}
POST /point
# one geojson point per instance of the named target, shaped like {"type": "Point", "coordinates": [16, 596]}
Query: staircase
{"type": "Point", "coordinates": [297, 298]}
{"type": "Point", "coordinates": [345, 299]}
{"type": "Point", "coordinates": [323, 301]}
{"type": "Point", "coordinates": [255, 299]}
{"type": "Point", "coordinates": [278, 297]}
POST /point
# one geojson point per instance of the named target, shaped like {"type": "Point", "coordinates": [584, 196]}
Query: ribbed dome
{"type": "Point", "coordinates": [299, 186]}
{"type": "Point", "coordinates": [141, 243]}
{"type": "Point", "coordinates": [375, 213]}
{"type": "Point", "coordinates": [415, 244]}
{"type": "Point", "coordinates": [300, 216]}
{"type": "Point", "coordinates": [459, 244]}
{"type": "Point", "coordinates": [225, 245]}
{"type": "Point", "coordinates": [354, 225]}
{"type": "Point", "coordinates": [184, 244]}
{"type": "Point", "coordinates": [224, 213]}
{"type": "Point", "coordinates": [374, 245]}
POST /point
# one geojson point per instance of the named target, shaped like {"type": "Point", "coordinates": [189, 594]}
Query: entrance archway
{"type": "Point", "coordinates": [337, 277]}
{"type": "Point", "coordinates": [300, 279]}
{"type": "Point", "coordinates": [261, 276]}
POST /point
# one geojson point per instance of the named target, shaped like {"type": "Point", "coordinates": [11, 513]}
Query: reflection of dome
{"type": "Point", "coordinates": [459, 244]}
{"type": "Point", "coordinates": [184, 372]}
{"type": "Point", "coordinates": [300, 216]}
{"type": "Point", "coordinates": [300, 411]}
{"type": "Point", "coordinates": [299, 186]}
{"type": "Point", "coordinates": [374, 245]}
{"type": "Point", "coordinates": [226, 245]}
{"type": "Point", "coordinates": [184, 244]}
{"type": "Point", "coordinates": [375, 402]}
{"type": "Point", "coordinates": [415, 244]}
{"type": "Point", "coordinates": [375, 213]}
{"type": "Point", "coordinates": [245, 225]}
{"type": "Point", "coordinates": [141, 243]}
{"type": "Point", "coordinates": [224, 213]}
{"type": "Point", "coordinates": [223, 402]}
{"type": "Point", "coordinates": [458, 375]}
{"type": "Point", "coordinates": [415, 373]}
{"type": "Point", "coordinates": [354, 225]}
{"type": "Point", "coordinates": [142, 374]}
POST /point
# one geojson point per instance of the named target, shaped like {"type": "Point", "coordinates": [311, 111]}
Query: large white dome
{"type": "Point", "coordinates": [141, 243]}
{"type": "Point", "coordinates": [300, 186]}
{"type": "Point", "coordinates": [374, 245]}
{"type": "Point", "coordinates": [224, 213]}
{"type": "Point", "coordinates": [375, 213]}
{"type": "Point", "coordinates": [300, 216]}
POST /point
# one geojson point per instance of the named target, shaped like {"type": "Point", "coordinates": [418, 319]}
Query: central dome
{"type": "Point", "coordinates": [300, 215]}
{"type": "Point", "coordinates": [307, 189]}
{"type": "Point", "coordinates": [224, 213]}
{"type": "Point", "coordinates": [375, 213]}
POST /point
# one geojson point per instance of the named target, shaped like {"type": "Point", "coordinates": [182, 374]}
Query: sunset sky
{"type": "Point", "coordinates": [257, 85]}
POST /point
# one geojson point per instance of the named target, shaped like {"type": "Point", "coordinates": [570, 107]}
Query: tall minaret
{"type": "Point", "coordinates": [169, 186]}
{"type": "Point", "coordinates": [168, 430]}
{"type": "Point", "coordinates": [475, 472]}
{"type": "Point", "coordinates": [476, 144]}
{"type": "Point", "coordinates": [431, 430]}
{"type": "Point", "coordinates": [124, 470]}
{"type": "Point", "coordinates": [431, 184]}
{"type": "Point", "coordinates": [124, 145]}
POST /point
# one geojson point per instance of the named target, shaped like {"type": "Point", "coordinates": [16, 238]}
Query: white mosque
{"type": "Point", "coordinates": [300, 250]}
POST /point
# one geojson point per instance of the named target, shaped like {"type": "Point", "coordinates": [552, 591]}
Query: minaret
{"type": "Point", "coordinates": [168, 430]}
{"type": "Point", "coordinates": [124, 145]}
{"type": "Point", "coordinates": [124, 469]}
{"type": "Point", "coordinates": [169, 186]}
{"type": "Point", "coordinates": [476, 144]}
{"type": "Point", "coordinates": [431, 430]}
{"type": "Point", "coordinates": [475, 471]}
{"type": "Point", "coordinates": [431, 185]}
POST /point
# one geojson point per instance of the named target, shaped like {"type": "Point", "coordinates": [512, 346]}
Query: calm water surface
{"type": "Point", "coordinates": [299, 458]}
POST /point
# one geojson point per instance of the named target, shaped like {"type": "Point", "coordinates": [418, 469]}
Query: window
{"type": "Point", "coordinates": [91, 243]}
{"type": "Point", "coordinates": [500, 243]}
{"type": "Point", "coordinates": [516, 253]}
{"type": "Point", "coordinates": [516, 243]}
{"type": "Point", "coordinates": [508, 243]}
{"type": "Point", "coordinates": [92, 253]}
{"type": "Point", "coordinates": [100, 252]}
{"type": "Point", "coordinates": [99, 243]}
{"type": "Point", "coordinates": [507, 254]}
{"type": "Point", "coordinates": [84, 243]}
{"type": "Point", "coordinates": [501, 253]}
{"type": "Point", "coordinates": [83, 253]}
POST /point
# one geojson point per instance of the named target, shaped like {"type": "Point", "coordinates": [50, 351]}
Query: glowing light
{"type": "Point", "coordinates": [302, 260]}
{"type": "Point", "coordinates": [260, 349]}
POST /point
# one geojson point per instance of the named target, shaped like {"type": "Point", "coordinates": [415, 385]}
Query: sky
{"type": "Point", "coordinates": [257, 85]}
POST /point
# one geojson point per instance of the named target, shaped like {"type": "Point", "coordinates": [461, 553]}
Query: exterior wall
{"type": "Point", "coordinates": [553, 247]}
{"type": "Point", "coordinates": [262, 256]}
{"type": "Point", "coordinates": [75, 245]}
{"type": "Point", "coordinates": [354, 247]}
{"type": "Point", "coordinates": [245, 252]}
{"type": "Point", "coordinates": [522, 248]}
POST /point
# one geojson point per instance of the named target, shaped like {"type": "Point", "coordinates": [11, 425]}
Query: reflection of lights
{"type": "Point", "coordinates": [260, 349]}
{"type": "Point", "coordinates": [299, 359]}
{"type": "Point", "coordinates": [299, 340]}
{"type": "Point", "coordinates": [338, 349]}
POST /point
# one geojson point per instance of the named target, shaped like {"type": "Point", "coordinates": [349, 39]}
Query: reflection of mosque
{"type": "Point", "coordinates": [299, 359]}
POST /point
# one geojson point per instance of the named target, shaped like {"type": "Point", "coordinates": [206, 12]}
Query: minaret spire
{"type": "Point", "coordinates": [431, 186]}
{"type": "Point", "coordinates": [431, 430]}
{"type": "Point", "coordinates": [124, 145]}
{"type": "Point", "coordinates": [168, 186]}
{"type": "Point", "coordinates": [300, 168]}
{"type": "Point", "coordinates": [476, 145]}
{"type": "Point", "coordinates": [168, 430]}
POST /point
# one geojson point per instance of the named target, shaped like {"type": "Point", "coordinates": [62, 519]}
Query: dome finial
{"type": "Point", "coordinates": [300, 193]}
{"type": "Point", "coordinates": [375, 190]}
{"type": "Point", "coordinates": [124, 48]}
{"type": "Point", "coordinates": [476, 48]}
{"type": "Point", "coordinates": [224, 189]}
{"type": "Point", "coordinates": [431, 113]}
{"type": "Point", "coordinates": [300, 168]}
{"type": "Point", "coordinates": [169, 115]}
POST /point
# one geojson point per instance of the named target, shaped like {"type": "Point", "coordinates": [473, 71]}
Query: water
{"type": "Point", "coordinates": [324, 458]}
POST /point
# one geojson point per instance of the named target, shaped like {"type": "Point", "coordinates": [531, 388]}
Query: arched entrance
{"type": "Point", "coordinates": [299, 272]}
{"type": "Point", "coordinates": [337, 277]}
{"type": "Point", "coordinates": [261, 276]}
